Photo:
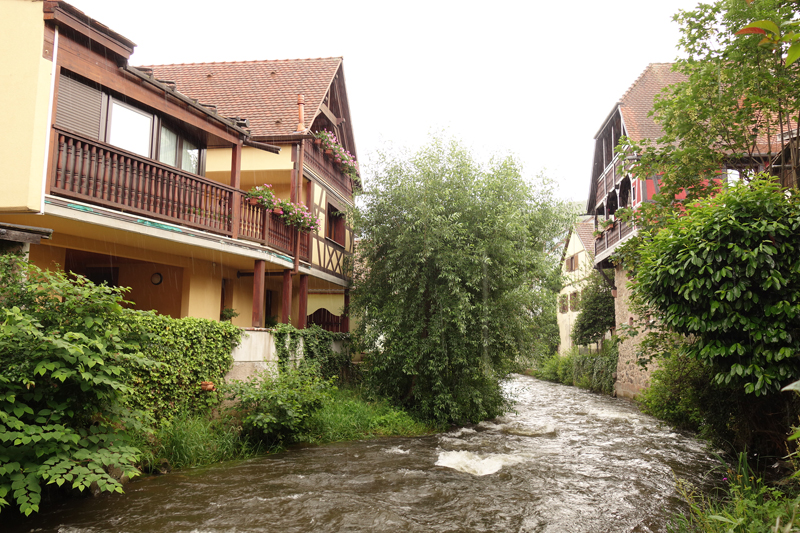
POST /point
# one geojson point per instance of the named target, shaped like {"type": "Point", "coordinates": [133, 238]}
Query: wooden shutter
{"type": "Point", "coordinates": [79, 107]}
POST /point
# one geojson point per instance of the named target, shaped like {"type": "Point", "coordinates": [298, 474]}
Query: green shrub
{"type": "Point", "coordinates": [276, 407]}
{"type": "Point", "coordinates": [350, 416]}
{"type": "Point", "coordinates": [194, 440]}
{"type": "Point", "coordinates": [191, 350]}
{"type": "Point", "coordinates": [64, 365]}
{"type": "Point", "coordinates": [748, 505]}
{"type": "Point", "coordinates": [593, 371]}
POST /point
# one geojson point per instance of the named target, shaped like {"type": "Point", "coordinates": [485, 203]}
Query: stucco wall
{"type": "Point", "coordinates": [573, 281]}
{"type": "Point", "coordinates": [25, 93]}
{"type": "Point", "coordinates": [631, 377]}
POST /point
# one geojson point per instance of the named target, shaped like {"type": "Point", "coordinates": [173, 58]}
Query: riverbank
{"type": "Point", "coordinates": [204, 439]}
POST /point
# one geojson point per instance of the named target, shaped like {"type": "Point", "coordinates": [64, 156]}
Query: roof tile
{"type": "Point", "coordinates": [265, 92]}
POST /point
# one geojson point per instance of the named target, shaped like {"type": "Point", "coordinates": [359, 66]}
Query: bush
{"type": "Point", "coordinates": [684, 393]}
{"type": "Point", "coordinates": [593, 371]}
{"type": "Point", "coordinates": [318, 347]}
{"type": "Point", "coordinates": [349, 416]}
{"type": "Point", "coordinates": [276, 407]}
{"type": "Point", "coordinates": [191, 350]}
{"type": "Point", "coordinates": [64, 363]}
{"type": "Point", "coordinates": [194, 440]}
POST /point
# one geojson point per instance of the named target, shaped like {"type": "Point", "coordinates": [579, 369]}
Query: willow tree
{"type": "Point", "coordinates": [454, 286]}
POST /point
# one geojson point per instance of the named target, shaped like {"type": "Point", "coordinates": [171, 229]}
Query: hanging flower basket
{"type": "Point", "coordinates": [253, 201]}
{"type": "Point", "coordinates": [207, 386]}
{"type": "Point", "coordinates": [317, 141]}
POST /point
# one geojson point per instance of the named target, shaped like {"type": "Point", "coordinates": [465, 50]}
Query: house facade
{"type": "Point", "coordinates": [612, 187]}
{"type": "Point", "coordinates": [576, 264]}
{"type": "Point", "coordinates": [144, 185]}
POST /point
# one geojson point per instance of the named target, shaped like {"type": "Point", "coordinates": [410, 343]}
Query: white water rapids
{"type": "Point", "coordinates": [566, 461]}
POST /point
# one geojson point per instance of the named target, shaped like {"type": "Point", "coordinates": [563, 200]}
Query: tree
{"type": "Point", "coordinates": [454, 278]}
{"type": "Point", "coordinates": [597, 311]}
{"type": "Point", "coordinates": [727, 275]}
{"type": "Point", "coordinates": [737, 109]}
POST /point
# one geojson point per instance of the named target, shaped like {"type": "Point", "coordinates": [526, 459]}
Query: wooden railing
{"type": "Point", "coordinates": [98, 173]}
{"type": "Point", "coordinates": [261, 225]}
{"type": "Point", "coordinates": [612, 236]}
{"type": "Point", "coordinates": [327, 169]}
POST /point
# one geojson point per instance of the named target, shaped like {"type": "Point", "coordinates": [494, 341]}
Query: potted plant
{"type": "Point", "coordinates": [296, 215]}
{"type": "Point", "coordinates": [262, 195]}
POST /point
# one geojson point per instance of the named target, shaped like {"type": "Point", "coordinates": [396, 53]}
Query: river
{"type": "Point", "coordinates": [566, 461]}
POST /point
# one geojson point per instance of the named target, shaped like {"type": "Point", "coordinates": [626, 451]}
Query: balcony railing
{"type": "Point", "coordinates": [328, 169]}
{"type": "Point", "coordinates": [98, 173]}
{"type": "Point", "coordinates": [612, 236]}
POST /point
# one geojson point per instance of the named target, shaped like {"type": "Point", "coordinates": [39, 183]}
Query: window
{"type": "Point", "coordinates": [176, 150]}
{"type": "Point", "coordinates": [572, 263]}
{"type": "Point", "coordinates": [563, 302]}
{"type": "Point", "coordinates": [129, 128]}
{"type": "Point", "coordinates": [334, 227]}
{"type": "Point", "coordinates": [574, 301]}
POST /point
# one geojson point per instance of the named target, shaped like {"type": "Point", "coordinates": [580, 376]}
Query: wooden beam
{"type": "Point", "coordinates": [328, 113]}
{"type": "Point", "coordinates": [66, 19]}
{"type": "Point", "coordinates": [301, 320]}
{"type": "Point", "coordinates": [286, 302]}
{"type": "Point", "coordinates": [258, 293]}
{"type": "Point", "coordinates": [346, 312]}
{"type": "Point", "coordinates": [236, 183]}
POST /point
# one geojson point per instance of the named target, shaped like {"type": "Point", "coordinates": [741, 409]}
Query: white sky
{"type": "Point", "coordinates": [533, 79]}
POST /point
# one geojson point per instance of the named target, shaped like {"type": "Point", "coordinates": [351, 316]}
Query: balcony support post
{"type": "Point", "coordinates": [346, 312]}
{"type": "Point", "coordinates": [286, 302]}
{"type": "Point", "coordinates": [259, 270]}
{"type": "Point", "coordinates": [303, 312]}
{"type": "Point", "coordinates": [236, 183]}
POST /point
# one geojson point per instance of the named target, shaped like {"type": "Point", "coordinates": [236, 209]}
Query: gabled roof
{"type": "Point", "coordinates": [585, 231]}
{"type": "Point", "coordinates": [264, 92]}
{"type": "Point", "coordinates": [637, 102]}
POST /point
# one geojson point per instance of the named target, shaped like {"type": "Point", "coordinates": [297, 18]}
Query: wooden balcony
{"type": "Point", "coordinates": [611, 237]}
{"type": "Point", "coordinates": [327, 169]}
{"type": "Point", "coordinates": [97, 173]}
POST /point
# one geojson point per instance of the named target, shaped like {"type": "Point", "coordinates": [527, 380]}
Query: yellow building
{"type": "Point", "coordinates": [576, 265]}
{"type": "Point", "coordinates": [144, 182]}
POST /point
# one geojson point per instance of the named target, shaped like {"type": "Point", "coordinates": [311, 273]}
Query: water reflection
{"type": "Point", "coordinates": [567, 460]}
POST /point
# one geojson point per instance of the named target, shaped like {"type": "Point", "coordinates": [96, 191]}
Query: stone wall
{"type": "Point", "coordinates": [631, 377]}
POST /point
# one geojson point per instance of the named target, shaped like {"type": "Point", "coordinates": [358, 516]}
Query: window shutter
{"type": "Point", "coordinates": [78, 107]}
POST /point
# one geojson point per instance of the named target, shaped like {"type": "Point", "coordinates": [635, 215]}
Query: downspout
{"type": "Point", "coordinates": [301, 126]}
{"type": "Point", "coordinates": [53, 73]}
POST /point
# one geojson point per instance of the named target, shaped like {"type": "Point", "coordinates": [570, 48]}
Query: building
{"type": "Point", "coordinates": [576, 264]}
{"type": "Point", "coordinates": [144, 185]}
{"type": "Point", "coordinates": [612, 187]}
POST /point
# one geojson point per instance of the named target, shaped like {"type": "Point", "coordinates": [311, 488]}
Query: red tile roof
{"type": "Point", "coordinates": [637, 102]}
{"type": "Point", "coordinates": [264, 92]}
{"type": "Point", "coordinates": [585, 231]}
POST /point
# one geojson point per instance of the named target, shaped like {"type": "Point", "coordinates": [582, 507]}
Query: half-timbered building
{"type": "Point", "coordinates": [142, 176]}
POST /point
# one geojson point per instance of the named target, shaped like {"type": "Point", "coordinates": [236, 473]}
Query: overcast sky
{"type": "Point", "coordinates": [532, 79]}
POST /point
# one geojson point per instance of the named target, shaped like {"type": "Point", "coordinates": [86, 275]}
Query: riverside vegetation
{"type": "Point", "coordinates": [92, 393]}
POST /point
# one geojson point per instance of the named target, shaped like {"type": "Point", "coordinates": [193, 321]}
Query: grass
{"type": "Point", "coordinates": [351, 417]}
{"type": "Point", "coordinates": [194, 440]}
{"type": "Point", "coordinates": [202, 439]}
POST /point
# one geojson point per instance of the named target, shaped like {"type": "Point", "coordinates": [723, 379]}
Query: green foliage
{"type": "Point", "coordinates": [750, 506]}
{"type": "Point", "coordinates": [276, 407]}
{"type": "Point", "coordinates": [738, 100]}
{"type": "Point", "coordinates": [728, 273]}
{"type": "Point", "coordinates": [190, 350]}
{"type": "Point", "coordinates": [453, 279]}
{"type": "Point", "coordinates": [597, 315]}
{"type": "Point", "coordinates": [349, 416]}
{"type": "Point", "coordinates": [593, 371]}
{"type": "Point", "coordinates": [63, 372]}
{"type": "Point", "coordinates": [190, 440]}
{"type": "Point", "coordinates": [317, 347]}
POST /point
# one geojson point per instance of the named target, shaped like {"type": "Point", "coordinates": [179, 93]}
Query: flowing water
{"type": "Point", "coordinates": [566, 461]}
